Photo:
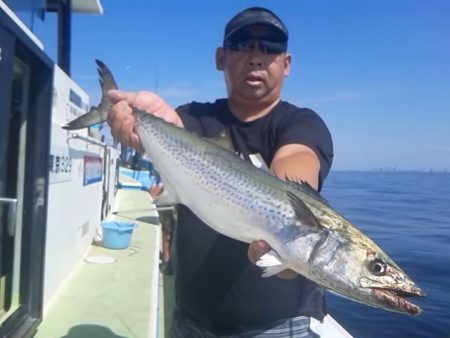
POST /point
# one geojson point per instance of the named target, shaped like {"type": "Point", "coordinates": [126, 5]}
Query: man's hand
{"type": "Point", "coordinates": [299, 163]}
{"type": "Point", "coordinates": [121, 118]}
{"type": "Point", "coordinates": [155, 190]}
{"type": "Point", "coordinates": [258, 248]}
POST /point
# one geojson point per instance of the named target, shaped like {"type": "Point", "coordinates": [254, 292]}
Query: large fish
{"type": "Point", "coordinates": [245, 203]}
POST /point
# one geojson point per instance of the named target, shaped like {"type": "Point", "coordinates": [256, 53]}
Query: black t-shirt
{"type": "Point", "coordinates": [215, 283]}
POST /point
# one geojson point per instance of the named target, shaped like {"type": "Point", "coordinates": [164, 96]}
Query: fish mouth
{"type": "Point", "coordinates": [397, 299]}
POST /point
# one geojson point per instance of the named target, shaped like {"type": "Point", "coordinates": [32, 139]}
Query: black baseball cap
{"type": "Point", "coordinates": [255, 15]}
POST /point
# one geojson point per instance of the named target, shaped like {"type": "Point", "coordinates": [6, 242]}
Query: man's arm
{"type": "Point", "coordinates": [295, 162]}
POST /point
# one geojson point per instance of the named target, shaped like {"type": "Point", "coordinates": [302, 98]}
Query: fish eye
{"type": "Point", "coordinates": [377, 267]}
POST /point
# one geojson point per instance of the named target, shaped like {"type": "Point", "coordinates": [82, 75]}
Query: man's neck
{"type": "Point", "coordinates": [250, 112]}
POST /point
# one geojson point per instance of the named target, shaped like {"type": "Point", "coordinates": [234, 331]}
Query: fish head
{"type": "Point", "coordinates": [374, 278]}
{"type": "Point", "coordinates": [387, 284]}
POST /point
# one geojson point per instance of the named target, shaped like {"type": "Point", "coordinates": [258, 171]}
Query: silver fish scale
{"type": "Point", "coordinates": [236, 199]}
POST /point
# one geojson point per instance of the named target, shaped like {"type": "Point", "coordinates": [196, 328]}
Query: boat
{"type": "Point", "coordinates": [57, 189]}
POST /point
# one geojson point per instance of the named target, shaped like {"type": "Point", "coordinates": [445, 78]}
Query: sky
{"type": "Point", "coordinates": [377, 72]}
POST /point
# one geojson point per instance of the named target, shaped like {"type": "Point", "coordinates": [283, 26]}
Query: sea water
{"type": "Point", "coordinates": [408, 215]}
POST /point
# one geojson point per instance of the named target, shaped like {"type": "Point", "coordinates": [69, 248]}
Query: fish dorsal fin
{"type": "Point", "coordinates": [222, 140]}
{"type": "Point", "coordinates": [302, 212]}
{"type": "Point", "coordinates": [307, 189]}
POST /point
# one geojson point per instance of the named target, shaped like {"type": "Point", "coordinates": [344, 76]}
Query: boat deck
{"type": "Point", "coordinates": [119, 299]}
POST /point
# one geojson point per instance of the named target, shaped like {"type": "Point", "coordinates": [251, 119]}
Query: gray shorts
{"type": "Point", "coordinates": [183, 327]}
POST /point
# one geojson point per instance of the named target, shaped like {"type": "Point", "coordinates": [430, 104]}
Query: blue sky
{"type": "Point", "coordinates": [378, 72]}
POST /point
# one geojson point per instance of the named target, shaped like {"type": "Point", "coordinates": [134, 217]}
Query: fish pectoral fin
{"type": "Point", "coordinates": [271, 264]}
{"type": "Point", "coordinates": [302, 212]}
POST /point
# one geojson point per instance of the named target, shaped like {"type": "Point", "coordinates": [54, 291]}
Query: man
{"type": "Point", "coordinates": [219, 291]}
{"type": "Point", "coordinates": [167, 218]}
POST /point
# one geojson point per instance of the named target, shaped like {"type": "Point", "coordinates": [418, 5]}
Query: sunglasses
{"type": "Point", "coordinates": [266, 46]}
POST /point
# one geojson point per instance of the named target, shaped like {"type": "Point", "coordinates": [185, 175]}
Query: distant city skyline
{"type": "Point", "coordinates": [378, 73]}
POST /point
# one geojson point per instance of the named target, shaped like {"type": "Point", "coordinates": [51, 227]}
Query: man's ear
{"type": "Point", "coordinates": [287, 64]}
{"type": "Point", "coordinates": [220, 58]}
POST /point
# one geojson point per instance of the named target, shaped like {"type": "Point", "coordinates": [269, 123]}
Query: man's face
{"type": "Point", "coordinates": [254, 70]}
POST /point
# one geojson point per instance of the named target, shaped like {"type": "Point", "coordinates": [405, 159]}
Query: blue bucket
{"type": "Point", "coordinates": [117, 235]}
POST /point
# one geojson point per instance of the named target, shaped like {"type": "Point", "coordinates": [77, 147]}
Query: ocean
{"type": "Point", "coordinates": [408, 215]}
